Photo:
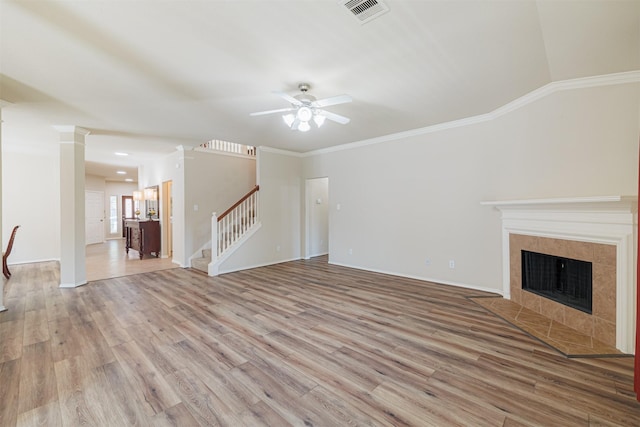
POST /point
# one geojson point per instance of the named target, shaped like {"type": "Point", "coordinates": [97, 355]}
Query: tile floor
{"type": "Point", "coordinates": [110, 259]}
{"type": "Point", "coordinates": [568, 341]}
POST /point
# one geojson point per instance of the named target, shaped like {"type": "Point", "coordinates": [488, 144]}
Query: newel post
{"type": "Point", "coordinates": [214, 237]}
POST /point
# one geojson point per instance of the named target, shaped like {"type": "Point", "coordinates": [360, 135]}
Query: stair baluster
{"type": "Point", "coordinates": [229, 227]}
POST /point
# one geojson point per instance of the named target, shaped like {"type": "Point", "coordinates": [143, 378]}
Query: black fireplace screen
{"type": "Point", "coordinates": [567, 281]}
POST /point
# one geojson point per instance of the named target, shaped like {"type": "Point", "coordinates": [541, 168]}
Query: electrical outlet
{"type": "Point", "coordinates": [278, 248]}
{"type": "Point", "coordinates": [350, 251]}
{"type": "Point", "coordinates": [427, 262]}
{"type": "Point", "coordinates": [452, 264]}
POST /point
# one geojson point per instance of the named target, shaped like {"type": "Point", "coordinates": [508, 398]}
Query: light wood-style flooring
{"type": "Point", "coordinates": [302, 343]}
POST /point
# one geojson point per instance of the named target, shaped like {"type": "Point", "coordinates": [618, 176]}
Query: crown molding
{"type": "Point", "coordinates": [553, 87]}
{"type": "Point", "coordinates": [544, 91]}
{"type": "Point", "coordinates": [272, 150]}
{"type": "Point", "coordinates": [72, 129]}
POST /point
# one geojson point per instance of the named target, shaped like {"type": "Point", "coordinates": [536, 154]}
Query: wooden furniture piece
{"type": "Point", "coordinates": [143, 236]}
{"type": "Point", "coordinates": [5, 254]}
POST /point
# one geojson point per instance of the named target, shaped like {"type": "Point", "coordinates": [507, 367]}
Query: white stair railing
{"type": "Point", "coordinates": [229, 227]}
{"type": "Point", "coordinates": [229, 147]}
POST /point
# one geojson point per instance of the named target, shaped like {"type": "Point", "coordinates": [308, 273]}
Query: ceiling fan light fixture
{"type": "Point", "coordinates": [304, 126]}
{"type": "Point", "coordinates": [305, 107]}
{"type": "Point", "coordinates": [289, 119]}
{"type": "Point", "coordinates": [304, 114]}
{"type": "Point", "coordinates": [319, 119]}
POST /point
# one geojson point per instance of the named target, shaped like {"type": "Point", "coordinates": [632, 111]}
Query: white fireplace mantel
{"type": "Point", "coordinates": [608, 220]}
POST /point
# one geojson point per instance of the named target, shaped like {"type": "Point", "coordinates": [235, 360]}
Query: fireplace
{"type": "Point", "coordinates": [600, 230]}
{"type": "Point", "coordinates": [564, 280]}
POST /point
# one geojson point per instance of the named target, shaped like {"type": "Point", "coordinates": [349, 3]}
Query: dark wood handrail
{"type": "Point", "coordinates": [239, 202]}
{"type": "Point", "coordinates": [5, 254]}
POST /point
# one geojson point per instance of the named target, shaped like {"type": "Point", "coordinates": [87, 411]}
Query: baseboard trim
{"type": "Point", "coordinates": [266, 264]}
{"type": "Point", "coordinates": [71, 285]}
{"type": "Point", "coordinates": [423, 279]}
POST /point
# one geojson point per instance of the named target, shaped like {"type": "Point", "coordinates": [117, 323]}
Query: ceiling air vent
{"type": "Point", "coordinates": [365, 10]}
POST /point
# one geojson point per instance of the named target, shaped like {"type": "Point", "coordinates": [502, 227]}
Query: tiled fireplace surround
{"type": "Point", "coordinates": [601, 230]}
{"type": "Point", "coordinates": [601, 324]}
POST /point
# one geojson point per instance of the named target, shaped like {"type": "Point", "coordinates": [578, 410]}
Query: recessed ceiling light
{"type": "Point", "coordinates": [121, 173]}
{"type": "Point", "coordinates": [117, 153]}
{"type": "Point", "coordinates": [129, 180]}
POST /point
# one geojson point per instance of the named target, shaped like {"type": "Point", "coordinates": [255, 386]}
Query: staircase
{"type": "Point", "coordinates": [228, 232]}
{"type": "Point", "coordinates": [202, 264]}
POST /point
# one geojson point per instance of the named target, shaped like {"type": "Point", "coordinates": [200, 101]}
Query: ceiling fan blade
{"type": "Point", "coordinates": [335, 117]}
{"type": "Point", "coordinates": [289, 98]}
{"type": "Point", "coordinates": [279, 110]}
{"type": "Point", "coordinates": [334, 100]}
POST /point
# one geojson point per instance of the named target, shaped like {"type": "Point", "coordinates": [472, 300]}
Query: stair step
{"type": "Point", "coordinates": [201, 264]}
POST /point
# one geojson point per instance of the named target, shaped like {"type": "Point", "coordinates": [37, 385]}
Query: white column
{"type": "Point", "coordinates": [72, 215]}
{"type": "Point", "coordinates": [2, 105]}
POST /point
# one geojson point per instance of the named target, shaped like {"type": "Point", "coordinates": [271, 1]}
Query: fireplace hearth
{"type": "Point", "coordinates": [564, 280]}
{"type": "Point", "coordinates": [601, 230]}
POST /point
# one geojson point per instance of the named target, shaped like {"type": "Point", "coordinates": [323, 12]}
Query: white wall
{"type": "Point", "coordinates": [281, 191]}
{"type": "Point", "coordinates": [409, 206]}
{"type": "Point", "coordinates": [31, 199]}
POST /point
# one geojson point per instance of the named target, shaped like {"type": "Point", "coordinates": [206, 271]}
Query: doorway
{"type": "Point", "coordinates": [317, 221]}
{"type": "Point", "coordinates": [167, 217]}
{"type": "Point", "coordinates": [128, 211]}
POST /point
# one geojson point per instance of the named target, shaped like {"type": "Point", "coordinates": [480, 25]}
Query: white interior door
{"type": "Point", "coordinates": [94, 217]}
{"type": "Point", "coordinates": [317, 216]}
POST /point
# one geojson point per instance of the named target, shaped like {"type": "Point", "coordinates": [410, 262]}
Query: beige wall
{"type": "Point", "coordinates": [281, 189]}
{"type": "Point", "coordinates": [94, 183]}
{"type": "Point", "coordinates": [410, 205]}
{"type": "Point", "coordinates": [31, 199]}
{"type": "Point", "coordinates": [403, 202]}
{"type": "Point", "coordinates": [213, 183]}
{"type": "Point", "coordinates": [210, 181]}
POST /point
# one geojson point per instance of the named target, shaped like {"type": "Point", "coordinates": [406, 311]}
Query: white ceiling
{"type": "Point", "coordinates": [147, 75]}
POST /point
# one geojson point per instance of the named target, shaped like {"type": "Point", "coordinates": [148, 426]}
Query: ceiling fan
{"type": "Point", "coordinates": [305, 108]}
